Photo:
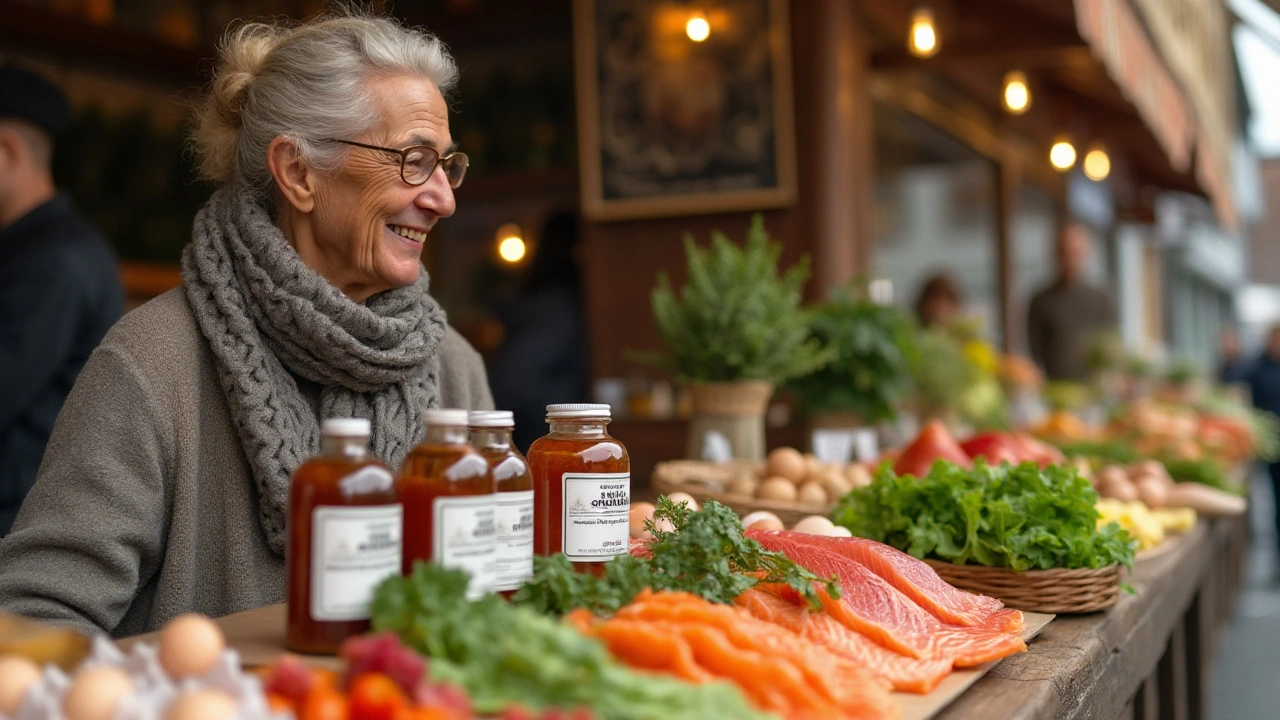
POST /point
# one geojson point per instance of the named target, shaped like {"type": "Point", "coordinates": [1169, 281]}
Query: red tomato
{"type": "Point", "coordinates": [323, 703]}
{"type": "Point", "coordinates": [374, 696]}
{"type": "Point", "coordinates": [933, 443]}
{"type": "Point", "coordinates": [996, 447]}
{"type": "Point", "coordinates": [1042, 453]}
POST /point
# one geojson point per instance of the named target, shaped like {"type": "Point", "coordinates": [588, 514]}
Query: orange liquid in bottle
{"type": "Point", "coordinates": [513, 501]}
{"type": "Point", "coordinates": [582, 488]}
{"type": "Point", "coordinates": [447, 491]}
{"type": "Point", "coordinates": [344, 538]}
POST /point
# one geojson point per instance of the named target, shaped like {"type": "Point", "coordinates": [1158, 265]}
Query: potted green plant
{"type": "Point", "coordinates": [873, 346]}
{"type": "Point", "coordinates": [733, 332]}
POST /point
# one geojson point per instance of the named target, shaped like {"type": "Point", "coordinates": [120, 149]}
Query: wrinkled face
{"type": "Point", "coordinates": [370, 225]}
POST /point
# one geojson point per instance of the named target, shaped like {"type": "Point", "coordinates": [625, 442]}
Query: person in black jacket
{"type": "Point", "coordinates": [1264, 384]}
{"type": "Point", "coordinates": [59, 286]}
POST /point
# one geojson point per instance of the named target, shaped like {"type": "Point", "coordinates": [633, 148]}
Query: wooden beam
{"type": "Point", "coordinates": [1034, 51]}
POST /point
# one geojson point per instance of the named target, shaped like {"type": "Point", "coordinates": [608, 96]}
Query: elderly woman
{"type": "Point", "coordinates": [165, 485]}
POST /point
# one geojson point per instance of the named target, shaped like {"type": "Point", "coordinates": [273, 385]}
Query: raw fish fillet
{"type": "Point", "coordinates": [849, 685]}
{"type": "Point", "coordinates": [876, 609]}
{"type": "Point", "coordinates": [904, 673]}
{"type": "Point", "coordinates": [915, 579]}
{"type": "Point", "coordinates": [646, 649]}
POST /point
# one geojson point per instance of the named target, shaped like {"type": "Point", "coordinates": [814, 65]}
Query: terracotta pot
{"type": "Point", "coordinates": [736, 410]}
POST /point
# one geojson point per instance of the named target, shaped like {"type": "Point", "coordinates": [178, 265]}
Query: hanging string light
{"type": "Point", "coordinates": [1097, 164]}
{"type": "Point", "coordinates": [697, 28]}
{"type": "Point", "coordinates": [922, 39]}
{"type": "Point", "coordinates": [511, 246]}
{"type": "Point", "coordinates": [1063, 154]}
{"type": "Point", "coordinates": [1017, 93]}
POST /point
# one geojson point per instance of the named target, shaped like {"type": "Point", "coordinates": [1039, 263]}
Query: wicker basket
{"type": "Point", "coordinates": [1048, 591]}
{"type": "Point", "coordinates": [706, 481]}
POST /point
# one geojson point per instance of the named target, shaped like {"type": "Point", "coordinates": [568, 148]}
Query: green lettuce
{"type": "Point", "coordinates": [1018, 517]}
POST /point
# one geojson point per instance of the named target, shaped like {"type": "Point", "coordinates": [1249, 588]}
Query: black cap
{"type": "Point", "coordinates": [26, 95]}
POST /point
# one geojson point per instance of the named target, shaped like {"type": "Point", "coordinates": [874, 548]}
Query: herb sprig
{"type": "Point", "coordinates": [704, 553]}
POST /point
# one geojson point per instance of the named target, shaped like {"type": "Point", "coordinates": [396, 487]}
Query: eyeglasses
{"type": "Point", "coordinates": [417, 162]}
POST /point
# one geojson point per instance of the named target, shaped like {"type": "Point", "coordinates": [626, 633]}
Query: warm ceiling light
{"type": "Point", "coordinates": [1062, 154]}
{"type": "Point", "coordinates": [1017, 94]}
{"type": "Point", "coordinates": [511, 247]}
{"type": "Point", "coordinates": [1097, 164]}
{"type": "Point", "coordinates": [923, 39]}
{"type": "Point", "coordinates": [698, 29]}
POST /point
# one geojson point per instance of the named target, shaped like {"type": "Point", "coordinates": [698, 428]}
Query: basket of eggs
{"type": "Point", "coordinates": [790, 484]}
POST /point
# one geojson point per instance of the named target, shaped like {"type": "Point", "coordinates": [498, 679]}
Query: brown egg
{"type": "Point", "coordinates": [786, 463]}
{"type": "Point", "coordinates": [683, 497]}
{"type": "Point", "coordinates": [96, 693]}
{"type": "Point", "coordinates": [811, 493]}
{"type": "Point", "coordinates": [17, 676]}
{"type": "Point", "coordinates": [777, 488]}
{"type": "Point", "coordinates": [190, 646]}
{"type": "Point", "coordinates": [859, 475]}
{"type": "Point", "coordinates": [745, 484]}
{"type": "Point", "coordinates": [836, 484]}
{"type": "Point", "coordinates": [640, 511]}
{"type": "Point", "coordinates": [203, 704]}
{"type": "Point", "coordinates": [762, 520]}
{"type": "Point", "coordinates": [813, 467]}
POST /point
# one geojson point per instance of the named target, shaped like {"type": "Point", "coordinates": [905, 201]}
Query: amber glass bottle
{"type": "Point", "coordinates": [513, 502]}
{"type": "Point", "coordinates": [447, 491]}
{"type": "Point", "coordinates": [581, 487]}
{"type": "Point", "coordinates": [344, 538]}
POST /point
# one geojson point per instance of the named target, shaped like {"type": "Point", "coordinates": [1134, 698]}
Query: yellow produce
{"type": "Point", "coordinates": [1134, 517]}
{"type": "Point", "coordinates": [1176, 520]}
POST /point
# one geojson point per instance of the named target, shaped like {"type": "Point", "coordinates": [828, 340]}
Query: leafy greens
{"type": "Point", "coordinates": [503, 654]}
{"type": "Point", "coordinates": [1017, 517]}
{"type": "Point", "coordinates": [705, 553]}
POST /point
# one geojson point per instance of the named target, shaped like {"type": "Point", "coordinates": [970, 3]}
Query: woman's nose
{"type": "Point", "coordinates": [436, 195]}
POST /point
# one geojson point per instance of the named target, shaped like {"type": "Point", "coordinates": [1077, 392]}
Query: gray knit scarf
{"type": "Point", "coordinates": [266, 315]}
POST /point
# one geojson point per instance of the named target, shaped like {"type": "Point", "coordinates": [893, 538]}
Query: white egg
{"type": "Point", "coordinates": [814, 525]}
{"type": "Point", "coordinates": [839, 531]}
{"type": "Point", "coordinates": [683, 497]}
{"type": "Point", "coordinates": [762, 520]}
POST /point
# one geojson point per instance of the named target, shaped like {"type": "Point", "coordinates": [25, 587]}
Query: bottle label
{"type": "Point", "coordinates": [353, 549]}
{"type": "Point", "coordinates": [464, 537]}
{"type": "Point", "coordinates": [597, 515]}
{"type": "Point", "coordinates": [513, 514]}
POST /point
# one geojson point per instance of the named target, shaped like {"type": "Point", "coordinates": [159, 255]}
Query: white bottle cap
{"type": "Point", "coordinates": [346, 427]}
{"type": "Point", "coordinates": [578, 410]}
{"type": "Point", "coordinates": [491, 418]}
{"type": "Point", "coordinates": [439, 416]}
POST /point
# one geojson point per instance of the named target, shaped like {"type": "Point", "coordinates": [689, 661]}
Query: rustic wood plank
{"type": "Point", "coordinates": [1090, 666]}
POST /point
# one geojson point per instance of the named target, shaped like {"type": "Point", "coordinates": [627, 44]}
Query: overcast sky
{"type": "Point", "coordinates": [1257, 42]}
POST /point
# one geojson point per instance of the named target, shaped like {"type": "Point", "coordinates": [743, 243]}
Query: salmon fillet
{"type": "Point", "coordinates": [902, 672]}
{"type": "Point", "coordinates": [915, 579]}
{"type": "Point", "coordinates": [879, 611]}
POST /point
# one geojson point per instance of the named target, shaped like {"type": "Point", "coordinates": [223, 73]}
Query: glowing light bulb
{"type": "Point", "coordinates": [698, 29]}
{"type": "Point", "coordinates": [1062, 154]}
{"type": "Point", "coordinates": [923, 38]}
{"type": "Point", "coordinates": [1017, 94]}
{"type": "Point", "coordinates": [1097, 164]}
{"type": "Point", "coordinates": [511, 249]}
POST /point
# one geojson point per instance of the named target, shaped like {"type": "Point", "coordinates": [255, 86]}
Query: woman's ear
{"type": "Point", "coordinates": [294, 180]}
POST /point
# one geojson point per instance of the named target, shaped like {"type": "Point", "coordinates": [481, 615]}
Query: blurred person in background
{"type": "Point", "coordinates": [940, 301]}
{"type": "Point", "coordinates": [165, 487]}
{"type": "Point", "coordinates": [542, 359]}
{"type": "Point", "coordinates": [1065, 315]}
{"type": "Point", "coordinates": [59, 285]}
{"type": "Point", "coordinates": [1264, 384]}
{"type": "Point", "coordinates": [1233, 366]}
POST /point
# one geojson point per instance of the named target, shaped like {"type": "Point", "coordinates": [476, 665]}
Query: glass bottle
{"type": "Point", "coordinates": [344, 533]}
{"type": "Point", "coordinates": [581, 486]}
{"type": "Point", "coordinates": [513, 501]}
{"type": "Point", "coordinates": [448, 495]}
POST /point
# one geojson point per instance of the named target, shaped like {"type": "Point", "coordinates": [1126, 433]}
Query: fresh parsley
{"type": "Point", "coordinates": [705, 553]}
{"type": "Point", "coordinates": [1018, 517]}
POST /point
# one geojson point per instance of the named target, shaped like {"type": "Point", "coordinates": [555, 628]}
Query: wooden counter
{"type": "Point", "coordinates": [1147, 658]}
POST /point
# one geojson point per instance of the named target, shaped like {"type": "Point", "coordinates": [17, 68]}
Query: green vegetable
{"type": "Point", "coordinates": [1018, 517]}
{"type": "Point", "coordinates": [502, 654]}
{"type": "Point", "coordinates": [705, 554]}
{"type": "Point", "coordinates": [737, 318]}
{"type": "Point", "coordinates": [940, 370]}
{"type": "Point", "coordinates": [873, 346]}
{"type": "Point", "coordinates": [1204, 471]}
{"type": "Point", "coordinates": [1118, 453]}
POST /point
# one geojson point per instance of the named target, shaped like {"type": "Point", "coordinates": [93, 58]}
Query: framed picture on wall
{"type": "Point", "coordinates": [683, 109]}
